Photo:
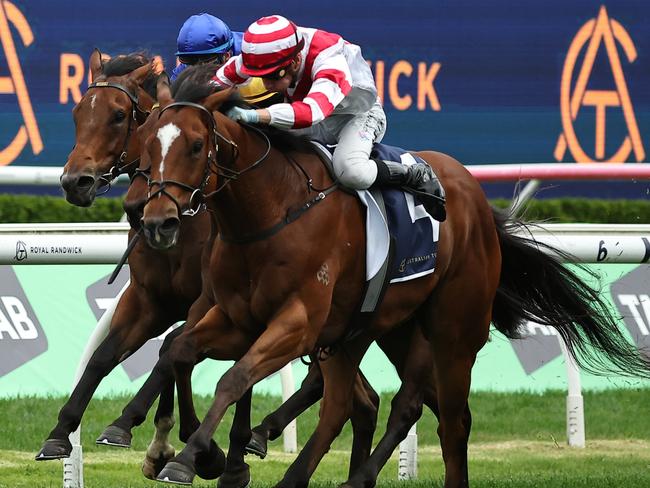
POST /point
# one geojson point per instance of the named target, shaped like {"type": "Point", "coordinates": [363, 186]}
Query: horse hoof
{"type": "Point", "coordinates": [210, 465]}
{"type": "Point", "coordinates": [176, 473]}
{"type": "Point", "coordinates": [151, 466]}
{"type": "Point", "coordinates": [257, 445]}
{"type": "Point", "coordinates": [54, 449]}
{"type": "Point", "coordinates": [114, 436]}
{"type": "Point", "coordinates": [235, 479]}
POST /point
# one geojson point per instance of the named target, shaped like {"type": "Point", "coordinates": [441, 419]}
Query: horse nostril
{"type": "Point", "coordinates": [85, 182]}
{"type": "Point", "coordinates": [169, 226]}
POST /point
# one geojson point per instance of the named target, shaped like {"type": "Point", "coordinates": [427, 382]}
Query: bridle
{"type": "Point", "coordinates": [228, 174]}
{"type": "Point", "coordinates": [119, 168]}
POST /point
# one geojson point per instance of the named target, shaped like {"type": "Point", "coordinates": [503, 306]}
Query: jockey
{"type": "Point", "coordinates": [204, 38]}
{"type": "Point", "coordinates": [333, 99]}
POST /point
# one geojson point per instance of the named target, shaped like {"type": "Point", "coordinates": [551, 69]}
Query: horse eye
{"type": "Point", "coordinates": [197, 146]}
{"type": "Point", "coordinates": [119, 116]}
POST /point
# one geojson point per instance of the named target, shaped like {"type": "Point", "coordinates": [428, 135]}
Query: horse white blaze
{"type": "Point", "coordinates": [166, 135]}
{"type": "Point", "coordinates": [93, 100]}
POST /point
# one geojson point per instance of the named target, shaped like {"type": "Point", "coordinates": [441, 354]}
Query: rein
{"type": "Point", "coordinates": [230, 174]}
{"type": "Point", "coordinates": [119, 168]}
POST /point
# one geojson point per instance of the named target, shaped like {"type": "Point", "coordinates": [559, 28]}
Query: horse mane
{"type": "Point", "coordinates": [194, 85]}
{"type": "Point", "coordinates": [126, 63]}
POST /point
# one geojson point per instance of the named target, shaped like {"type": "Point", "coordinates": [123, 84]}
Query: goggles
{"type": "Point", "coordinates": [190, 60]}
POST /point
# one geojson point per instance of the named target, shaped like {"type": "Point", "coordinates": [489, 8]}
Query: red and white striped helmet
{"type": "Point", "coordinates": [269, 44]}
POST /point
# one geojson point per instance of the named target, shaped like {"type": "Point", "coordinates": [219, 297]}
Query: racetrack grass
{"type": "Point", "coordinates": [517, 440]}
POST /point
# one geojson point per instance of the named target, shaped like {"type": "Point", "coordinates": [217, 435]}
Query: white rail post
{"type": "Point", "coordinates": [575, 412]}
{"type": "Point", "coordinates": [73, 468]}
{"type": "Point", "coordinates": [407, 468]}
{"type": "Point", "coordinates": [289, 435]}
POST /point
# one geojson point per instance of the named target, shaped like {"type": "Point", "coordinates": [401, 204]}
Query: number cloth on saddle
{"type": "Point", "coordinates": [414, 231]}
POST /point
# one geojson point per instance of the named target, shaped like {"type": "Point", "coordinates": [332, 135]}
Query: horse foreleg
{"type": "Point", "coordinates": [160, 381]}
{"type": "Point", "coordinates": [284, 339]}
{"type": "Point", "coordinates": [129, 330]}
{"type": "Point", "coordinates": [118, 433]}
{"type": "Point", "coordinates": [186, 351]}
{"type": "Point", "coordinates": [237, 473]}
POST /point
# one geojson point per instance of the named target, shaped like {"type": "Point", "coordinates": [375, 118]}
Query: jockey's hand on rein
{"type": "Point", "coordinates": [243, 115]}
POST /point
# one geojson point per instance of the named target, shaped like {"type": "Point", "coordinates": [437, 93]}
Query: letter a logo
{"type": "Point", "coordinates": [15, 83]}
{"type": "Point", "coordinates": [595, 33]}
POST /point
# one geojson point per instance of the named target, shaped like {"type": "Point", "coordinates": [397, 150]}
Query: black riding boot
{"type": "Point", "coordinates": [417, 179]}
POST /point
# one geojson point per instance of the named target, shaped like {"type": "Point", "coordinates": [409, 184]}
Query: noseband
{"type": "Point", "coordinates": [119, 168]}
{"type": "Point", "coordinates": [211, 167]}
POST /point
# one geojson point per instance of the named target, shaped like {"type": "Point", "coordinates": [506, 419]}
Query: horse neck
{"type": "Point", "coordinates": [259, 198]}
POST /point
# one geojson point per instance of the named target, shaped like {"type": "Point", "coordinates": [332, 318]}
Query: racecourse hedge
{"type": "Point", "coordinates": [40, 208]}
{"type": "Point", "coordinates": [30, 208]}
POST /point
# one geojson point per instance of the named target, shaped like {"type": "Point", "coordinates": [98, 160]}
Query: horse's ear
{"type": "Point", "coordinates": [138, 75]}
{"type": "Point", "coordinates": [214, 101]}
{"type": "Point", "coordinates": [96, 64]}
{"type": "Point", "coordinates": [163, 91]}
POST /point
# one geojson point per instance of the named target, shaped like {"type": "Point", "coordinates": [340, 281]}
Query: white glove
{"type": "Point", "coordinates": [243, 115]}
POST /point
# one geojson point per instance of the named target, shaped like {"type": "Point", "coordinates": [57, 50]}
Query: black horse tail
{"type": "Point", "coordinates": [535, 286]}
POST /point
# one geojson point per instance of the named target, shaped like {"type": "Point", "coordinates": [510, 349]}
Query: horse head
{"type": "Point", "coordinates": [136, 196]}
{"type": "Point", "coordinates": [182, 148]}
{"type": "Point", "coordinates": [117, 101]}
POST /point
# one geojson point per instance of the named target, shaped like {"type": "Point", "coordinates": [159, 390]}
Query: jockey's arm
{"type": "Point", "coordinates": [230, 73]}
{"type": "Point", "coordinates": [330, 83]}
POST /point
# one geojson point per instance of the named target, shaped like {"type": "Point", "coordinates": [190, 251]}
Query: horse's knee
{"type": "Point", "coordinates": [106, 357]}
{"type": "Point", "coordinates": [233, 384]}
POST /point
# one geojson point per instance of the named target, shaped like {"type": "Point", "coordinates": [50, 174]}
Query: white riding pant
{"type": "Point", "coordinates": [354, 136]}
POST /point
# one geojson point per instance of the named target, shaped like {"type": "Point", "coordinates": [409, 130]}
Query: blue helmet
{"type": "Point", "coordinates": [204, 34]}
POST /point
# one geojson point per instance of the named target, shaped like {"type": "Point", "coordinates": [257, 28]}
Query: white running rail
{"type": "Point", "coordinates": [102, 243]}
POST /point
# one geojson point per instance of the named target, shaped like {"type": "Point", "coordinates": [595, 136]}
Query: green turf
{"type": "Point", "coordinates": [517, 440]}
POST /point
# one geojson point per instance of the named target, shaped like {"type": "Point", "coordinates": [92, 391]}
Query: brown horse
{"type": "Point", "coordinates": [162, 284]}
{"type": "Point", "coordinates": [365, 400]}
{"type": "Point", "coordinates": [283, 228]}
{"type": "Point", "coordinates": [117, 102]}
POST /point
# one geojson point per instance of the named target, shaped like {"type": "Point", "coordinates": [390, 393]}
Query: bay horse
{"type": "Point", "coordinates": [283, 227]}
{"type": "Point", "coordinates": [116, 103]}
{"type": "Point", "coordinates": [163, 284]}
{"type": "Point", "coordinates": [365, 400]}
